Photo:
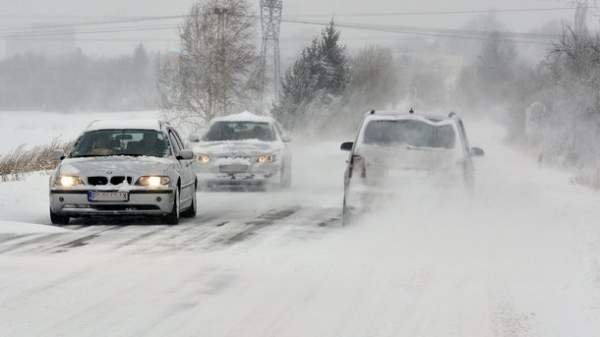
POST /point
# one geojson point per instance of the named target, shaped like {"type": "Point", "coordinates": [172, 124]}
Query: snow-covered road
{"type": "Point", "coordinates": [522, 258]}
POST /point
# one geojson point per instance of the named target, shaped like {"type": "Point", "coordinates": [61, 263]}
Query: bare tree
{"type": "Point", "coordinates": [218, 53]}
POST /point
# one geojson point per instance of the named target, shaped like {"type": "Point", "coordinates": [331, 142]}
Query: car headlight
{"type": "Point", "coordinates": [153, 181]}
{"type": "Point", "coordinates": [68, 181]}
{"type": "Point", "coordinates": [265, 159]}
{"type": "Point", "coordinates": [203, 159]}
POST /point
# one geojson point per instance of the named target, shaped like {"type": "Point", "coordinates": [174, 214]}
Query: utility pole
{"type": "Point", "coordinates": [270, 18]}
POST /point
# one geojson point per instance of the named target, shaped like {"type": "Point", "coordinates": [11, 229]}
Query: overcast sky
{"type": "Point", "coordinates": [24, 12]}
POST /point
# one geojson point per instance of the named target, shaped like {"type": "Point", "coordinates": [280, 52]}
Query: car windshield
{"type": "Point", "coordinates": [224, 131]}
{"type": "Point", "coordinates": [411, 132]}
{"type": "Point", "coordinates": [103, 143]}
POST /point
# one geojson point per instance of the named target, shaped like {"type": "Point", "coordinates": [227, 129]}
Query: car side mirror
{"type": "Point", "coordinates": [58, 154]}
{"type": "Point", "coordinates": [347, 146]}
{"type": "Point", "coordinates": [286, 139]}
{"type": "Point", "coordinates": [186, 155]}
{"type": "Point", "coordinates": [477, 152]}
{"type": "Point", "coordinates": [194, 139]}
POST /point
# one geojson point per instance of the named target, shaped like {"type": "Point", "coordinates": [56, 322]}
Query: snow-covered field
{"type": "Point", "coordinates": [521, 258]}
{"type": "Point", "coordinates": [31, 128]}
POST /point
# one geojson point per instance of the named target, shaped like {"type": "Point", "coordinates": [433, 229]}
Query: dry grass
{"type": "Point", "coordinates": [21, 160]}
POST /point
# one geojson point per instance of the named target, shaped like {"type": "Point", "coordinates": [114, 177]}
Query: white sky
{"type": "Point", "coordinates": [24, 12]}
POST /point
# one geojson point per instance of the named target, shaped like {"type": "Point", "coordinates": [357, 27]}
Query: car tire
{"type": "Point", "coordinates": [60, 220]}
{"type": "Point", "coordinates": [286, 177]}
{"type": "Point", "coordinates": [193, 210]}
{"type": "Point", "coordinates": [173, 217]}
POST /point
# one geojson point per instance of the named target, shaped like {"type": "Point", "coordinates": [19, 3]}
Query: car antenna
{"type": "Point", "coordinates": [411, 111]}
{"type": "Point", "coordinates": [452, 114]}
{"type": "Point", "coordinates": [372, 112]}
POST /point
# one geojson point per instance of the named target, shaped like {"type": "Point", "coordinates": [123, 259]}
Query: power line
{"type": "Point", "coordinates": [135, 19]}
{"type": "Point", "coordinates": [420, 13]}
{"type": "Point", "coordinates": [530, 38]}
{"type": "Point", "coordinates": [51, 33]}
{"type": "Point", "coordinates": [387, 28]}
{"type": "Point", "coordinates": [408, 29]}
{"type": "Point", "coordinates": [384, 29]}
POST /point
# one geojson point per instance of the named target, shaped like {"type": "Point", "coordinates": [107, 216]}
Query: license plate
{"type": "Point", "coordinates": [108, 196]}
{"type": "Point", "coordinates": [234, 168]}
{"type": "Point", "coordinates": [407, 174]}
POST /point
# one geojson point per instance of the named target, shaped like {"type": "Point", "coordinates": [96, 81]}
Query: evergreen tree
{"type": "Point", "coordinates": [320, 74]}
{"type": "Point", "coordinates": [335, 61]}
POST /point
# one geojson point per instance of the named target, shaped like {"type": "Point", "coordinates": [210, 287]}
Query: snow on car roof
{"type": "Point", "coordinates": [404, 115]}
{"type": "Point", "coordinates": [141, 124]}
{"type": "Point", "coordinates": [245, 116]}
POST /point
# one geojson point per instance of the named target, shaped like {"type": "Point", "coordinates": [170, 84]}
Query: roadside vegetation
{"type": "Point", "coordinates": [21, 161]}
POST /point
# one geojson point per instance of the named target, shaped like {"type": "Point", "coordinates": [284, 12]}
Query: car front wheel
{"type": "Point", "coordinates": [173, 217]}
{"type": "Point", "coordinates": [191, 212]}
{"type": "Point", "coordinates": [59, 219]}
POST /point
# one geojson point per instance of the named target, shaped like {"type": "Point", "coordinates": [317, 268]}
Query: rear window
{"type": "Point", "coordinates": [411, 132]}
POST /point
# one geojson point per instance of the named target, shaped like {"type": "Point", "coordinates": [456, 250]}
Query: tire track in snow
{"type": "Point", "coordinates": [49, 242]}
{"type": "Point", "coordinates": [244, 231]}
{"type": "Point", "coordinates": [31, 241]}
{"type": "Point", "coordinates": [10, 237]}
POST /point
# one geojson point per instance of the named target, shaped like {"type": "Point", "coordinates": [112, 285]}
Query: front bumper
{"type": "Point", "coordinates": [141, 202]}
{"type": "Point", "coordinates": [256, 175]}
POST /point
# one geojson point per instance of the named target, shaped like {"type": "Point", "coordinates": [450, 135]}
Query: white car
{"type": "Point", "coordinates": [394, 149]}
{"type": "Point", "coordinates": [124, 168]}
{"type": "Point", "coordinates": [243, 150]}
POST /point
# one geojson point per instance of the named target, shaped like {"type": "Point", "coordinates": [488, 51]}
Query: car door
{"type": "Point", "coordinates": [188, 181]}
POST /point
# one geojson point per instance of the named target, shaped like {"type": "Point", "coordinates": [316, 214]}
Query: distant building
{"type": "Point", "coordinates": [41, 39]}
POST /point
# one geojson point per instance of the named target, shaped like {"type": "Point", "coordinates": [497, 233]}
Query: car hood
{"type": "Point", "coordinates": [111, 166]}
{"type": "Point", "coordinates": [237, 148]}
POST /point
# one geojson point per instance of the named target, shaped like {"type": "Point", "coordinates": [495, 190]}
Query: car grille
{"type": "Point", "coordinates": [235, 157]}
{"type": "Point", "coordinates": [233, 168]}
{"type": "Point", "coordinates": [102, 181]}
{"type": "Point", "coordinates": [125, 207]}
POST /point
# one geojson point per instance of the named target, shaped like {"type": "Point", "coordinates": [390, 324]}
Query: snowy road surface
{"type": "Point", "coordinates": [522, 258]}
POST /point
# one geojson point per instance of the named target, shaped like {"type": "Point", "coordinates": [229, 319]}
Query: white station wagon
{"type": "Point", "coordinates": [124, 168]}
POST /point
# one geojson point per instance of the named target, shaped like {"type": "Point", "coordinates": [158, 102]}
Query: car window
{"type": "Point", "coordinates": [231, 131]}
{"type": "Point", "coordinates": [177, 138]}
{"type": "Point", "coordinates": [121, 143]}
{"type": "Point", "coordinates": [411, 132]}
{"type": "Point", "coordinates": [174, 141]}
